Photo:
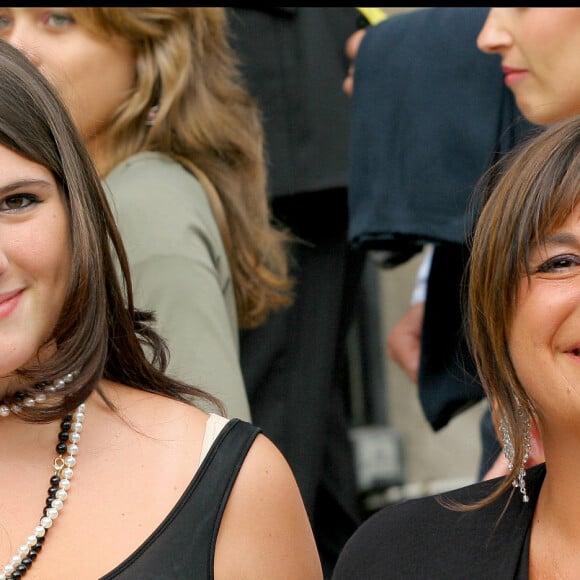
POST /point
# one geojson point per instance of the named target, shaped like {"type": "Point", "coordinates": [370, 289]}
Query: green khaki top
{"type": "Point", "coordinates": [180, 271]}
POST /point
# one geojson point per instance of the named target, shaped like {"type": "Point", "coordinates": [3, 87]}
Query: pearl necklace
{"type": "Point", "coordinates": [67, 447]}
{"type": "Point", "coordinates": [30, 399]}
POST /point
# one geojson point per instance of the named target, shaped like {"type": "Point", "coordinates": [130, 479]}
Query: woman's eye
{"type": "Point", "coordinates": [59, 19]}
{"type": "Point", "coordinates": [5, 23]}
{"type": "Point", "coordinates": [17, 202]}
{"type": "Point", "coordinates": [559, 263]}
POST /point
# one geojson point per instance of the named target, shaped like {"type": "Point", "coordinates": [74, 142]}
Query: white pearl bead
{"type": "Point", "coordinates": [46, 522]}
{"type": "Point", "coordinates": [64, 484]}
{"type": "Point", "coordinates": [67, 472]}
{"type": "Point", "coordinates": [61, 494]}
{"type": "Point", "coordinates": [56, 504]}
{"type": "Point", "coordinates": [39, 532]}
{"type": "Point", "coordinates": [74, 437]}
{"type": "Point", "coordinates": [4, 411]}
{"type": "Point", "coordinates": [78, 427]}
{"type": "Point", "coordinates": [73, 449]}
{"type": "Point", "coordinates": [8, 569]}
{"type": "Point", "coordinates": [52, 513]}
{"type": "Point", "coordinates": [70, 461]}
{"type": "Point", "coordinates": [16, 561]}
{"type": "Point", "coordinates": [68, 378]}
{"type": "Point", "coordinates": [40, 398]}
{"type": "Point", "coordinates": [79, 416]}
{"type": "Point", "coordinates": [23, 550]}
{"type": "Point", "coordinates": [29, 402]}
{"type": "Point", "coordinates": [59, 384]}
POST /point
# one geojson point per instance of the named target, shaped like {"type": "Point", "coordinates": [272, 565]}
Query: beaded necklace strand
{"type": "Point", "coordinates": [31, 398]}
{"type": "Point", "coordinates": [67, 448]}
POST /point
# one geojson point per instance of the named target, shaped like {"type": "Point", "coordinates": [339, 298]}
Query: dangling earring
{"type": "Point", "coordinates": [508, 449]}
{"type": "Point", "coordinates": [152, 116]}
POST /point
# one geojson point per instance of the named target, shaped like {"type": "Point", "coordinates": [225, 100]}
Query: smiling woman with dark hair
{"type": "Point", "coordinates": [161, 489]}
{"type": "Point", "coordinates": [523, 309]}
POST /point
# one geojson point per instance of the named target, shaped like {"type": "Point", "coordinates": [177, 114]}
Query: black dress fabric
{"type": "Point", "coordinates": [182, 547]}
{"type": "Point", "coordinates": [421, 539]}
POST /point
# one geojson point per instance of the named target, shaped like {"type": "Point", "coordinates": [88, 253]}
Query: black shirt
{"type": "Point", "coordinates": [421, 539]}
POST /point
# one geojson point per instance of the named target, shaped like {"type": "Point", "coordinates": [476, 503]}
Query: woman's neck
{"type": "Point", "coordinates": [97, 153]}
{"type": "Point", "coordinates": [558, 505]}
{"type": "Point", "coordinates": [555, 533]}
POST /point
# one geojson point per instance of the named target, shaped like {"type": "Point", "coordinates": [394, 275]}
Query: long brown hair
{"type": "Point", "coordinates": [209, 123]}
{"type": "Point", "coordinates": [527, 194]}
{"type": "Point", "coordinates": [99, 333]}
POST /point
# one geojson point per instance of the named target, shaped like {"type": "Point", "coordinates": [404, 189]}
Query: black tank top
{"type": "Point", "coordinates": [182, 547]}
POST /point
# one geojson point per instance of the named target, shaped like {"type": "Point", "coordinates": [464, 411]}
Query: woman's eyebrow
{"type": "Point", "coordinates": [564, 238]}
{"type": "Point", "coordinates": [14, 185]}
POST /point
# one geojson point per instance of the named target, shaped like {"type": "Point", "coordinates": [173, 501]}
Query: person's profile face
{"type": "Point", "coordinates": [540, 50]}
{"type": "Point", "coordinates": [35, 259]}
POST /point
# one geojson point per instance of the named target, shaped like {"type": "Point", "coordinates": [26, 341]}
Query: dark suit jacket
{"type": "Point", "coordinates": [294, 364]}
{"type": "Point", "coordinates": [430, 114]}
{"type": "Point", "coordinates": [422, 540]}
{"type": "Point", "coordinates": [306, 114]}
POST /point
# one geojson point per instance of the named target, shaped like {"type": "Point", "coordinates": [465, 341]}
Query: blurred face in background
{"type": "Point", "coordinates": [93, 75]}
{"type": "Point", "coordinates": [540, 51]}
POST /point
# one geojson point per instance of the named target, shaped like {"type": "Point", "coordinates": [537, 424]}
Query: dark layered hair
{"type": "Point", "coordinates": [529, 193]}
{"type": "Point", "coordinates": [99, 333]}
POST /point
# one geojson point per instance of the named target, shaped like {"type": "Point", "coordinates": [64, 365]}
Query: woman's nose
{"type": "Point", "coordinates": [493, 35]}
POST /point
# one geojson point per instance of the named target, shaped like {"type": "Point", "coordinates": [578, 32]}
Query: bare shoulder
{"type": "Point", "coordinates": [148, 417]}
{"type": "Point", "coordinates": [265, 470]}
{"type": "Point", "coordinates": [265, 532]}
